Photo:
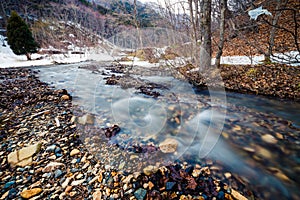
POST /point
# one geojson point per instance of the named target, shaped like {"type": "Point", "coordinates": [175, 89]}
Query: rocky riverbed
{"type": "Point", "coordinates": [42, 156]}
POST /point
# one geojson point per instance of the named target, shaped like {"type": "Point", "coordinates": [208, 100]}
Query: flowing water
{"type": "Point", "coordinates": [254, 137]}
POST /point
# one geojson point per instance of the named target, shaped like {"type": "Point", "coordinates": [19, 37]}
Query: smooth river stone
{"type": "Point", "coordinates": [74, 152]}
{"type": "Point", "coordinates": [269, 139]}
{"type": "Point", "coordinates": [26, 194]}
{"type": "Point", "coordinates": [169, 145]}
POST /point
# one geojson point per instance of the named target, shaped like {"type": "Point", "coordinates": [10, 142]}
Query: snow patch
{"type": "Point", "coordinates": [9, 59]}
{"type": "Point", "coordinates": [255, 13]}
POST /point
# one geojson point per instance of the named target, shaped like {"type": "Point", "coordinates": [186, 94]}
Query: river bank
{"type": "Point", "coordinates": [42, 156]}
{"type": "Point", "coordinates": [272, 80]}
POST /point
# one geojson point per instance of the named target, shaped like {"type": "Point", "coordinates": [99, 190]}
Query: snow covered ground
{"type": "Point", "coordinates": [9, 59]}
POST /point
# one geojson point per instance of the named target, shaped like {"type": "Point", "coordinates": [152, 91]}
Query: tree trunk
{"type": "Point", "coordinates": [222, 30]}
{"type": "Point", "coordinates": [273, 31]}
{"type": "Point", "coordinates": [193, 20]}
{"type": "Point", "coordinates": [137, 25]}
{"type": "Point", "coordinates": [28, 55]}
{"type": "Point", "coordinates": [205, 50]}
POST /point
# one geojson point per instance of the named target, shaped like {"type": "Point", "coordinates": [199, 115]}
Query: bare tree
{"type": "Point", "coordinates": [273, 30]}
{"type": "Point", "coordinates": [137, 25]}
{"type": "Point", "coordinates": [206, 50]}
{"type": "Point", "coordinates": [222, 31]}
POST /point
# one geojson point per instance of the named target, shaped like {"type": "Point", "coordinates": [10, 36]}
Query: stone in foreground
{"type": "Point", "coordinates": [27, 194]}
{"type": "Point", "coordinates": [23, 157]}
{"type": "Point", "coordinates": [169, 145]}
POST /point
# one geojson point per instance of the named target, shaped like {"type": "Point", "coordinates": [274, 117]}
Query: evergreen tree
{"type": "Point", "coordinates": [20, 37]}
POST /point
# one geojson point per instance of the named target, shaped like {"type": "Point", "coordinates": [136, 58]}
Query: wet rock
{"type": "Point", "coordinates": [9, 184]}
{"type": "Point", "coordinates": [86, 119]}
{"type": "Point", "coordinates": [27, 194]}
{"type": "Point", "coordinates": [140, 194]}
{"type": "Point", "coordinates": [227, 175]}
{"type": "Point", "coordinates": [237, 195]}
{"type": "Point", "coordinates": [221, 195]}
{"type": "Point", "coordinates": [112, 131]}
{"type": "Point", "coordinates": [269, 139]}
{"type": "Point", "coordinates": [150, 170]}
{"type": "Point", "coordinates": [12, 193]}
{"type": "Point", "coordinates": [262, 152]}
{"type": "Point", "coordinates": [128, 178]}
{"type": "Point", "coordinates": [65, 97]}
{"type": "Point", "coordinates": [170, 185]}
{"type": "Point", "coordinates": [169, 145]}
{"type": "Point", "coordinates": [249, 149]}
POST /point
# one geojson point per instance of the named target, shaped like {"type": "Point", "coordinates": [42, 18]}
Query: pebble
{"type": "Point", "coordinates": [140, 194]}
{"type": "Point", "coordinates": [65, 97]}
{"type": "Point", "coordinates": [169, 145]}
{"type": "Point", "coordinates": [52, 166]}
{"type": "Point", "coordinates": [68, 189]}
{"type": "Point", "coordinates": [4, 195]}
{"type": "Point", "coordinates": [227, 175]}
{"type": "Point", "coordinates": [249, 149]}
{"type": "Point", "coordinates": [12, 193]}
{"type": "Point", "coordinates": [97, 195]}
{"type": "Point", "coordinates": [128, 178]}
{"type": "Point", "coordinates": [47, 175]}
{"type": "Point", "coordinates": [260, 151]}
{"type": "Point", "coordinates": [150, 185]}
{"type": "Point", "coordinates": [9, 184]}
{"type": "Point", "coordinates": [269, 139]}
{"type": "Point", "coordinates": [150, 170]}
{"type": "Point", "coordinates": [27, 194]}
{"type": "Point", "coordinates": [72, 194]}
{"type": "Point", "coordinates": [74, 152]}
{"type": "Point", "coordinates": [53, 157]}
{"type": "Point", "coordinates": [79, 176]}
{"type": "Point", "coordinates": [78, 182]}
{"type": "Point", "coordinates": [66, 182]}
{"type": "Point", "coordinates": [170, 185]}
{"type": "Point", "coordinates": [58, 173]}
{"type": "Point", "coordinates": [279, 136]}
{"type": "Point", "coordinates": [237, 195]}
{"type": "Point", "coordinates": [51, 148]}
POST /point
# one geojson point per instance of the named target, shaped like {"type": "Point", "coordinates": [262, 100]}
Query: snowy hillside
{"type": "Point", "coordinates": [9, 59]}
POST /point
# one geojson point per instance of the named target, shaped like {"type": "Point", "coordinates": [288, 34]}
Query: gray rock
{"type": "Point", "coordinates": [140, 194]}
{"type": "Point", "coordinates": [51, 148]}
{"type": "Point", "coordinates": [58, 173]}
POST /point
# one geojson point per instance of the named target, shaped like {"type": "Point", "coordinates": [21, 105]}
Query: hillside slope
{"type": "Point", "coordinates": [252, 37]}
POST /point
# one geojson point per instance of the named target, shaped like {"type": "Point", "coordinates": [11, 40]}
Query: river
{"type": "Point", "coordinates": [254, 138]}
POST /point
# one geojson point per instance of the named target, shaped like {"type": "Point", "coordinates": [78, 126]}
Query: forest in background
{"type": "Point", "coordinates": [226, 26]}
